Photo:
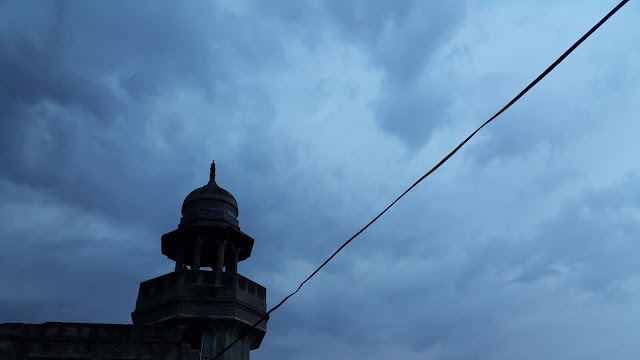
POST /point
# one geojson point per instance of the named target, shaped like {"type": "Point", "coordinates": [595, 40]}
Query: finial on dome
{"type": "Point", "coordinates": [212, 174]}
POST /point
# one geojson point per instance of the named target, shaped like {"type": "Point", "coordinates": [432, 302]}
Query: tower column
{"type": "Point", "coordinates": [233, 264]}
{"type": "Point", "coordinates": [179, 258]}
{"type": "Point", "coordinates": [219, 256]}
{"type": "Point", "coordinates": [197, 254]}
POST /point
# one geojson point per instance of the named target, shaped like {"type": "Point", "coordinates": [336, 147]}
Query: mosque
{"type": "Point", "coordinates": [192, 313]}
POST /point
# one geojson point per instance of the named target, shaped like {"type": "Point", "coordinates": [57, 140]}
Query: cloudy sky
{"type": "Point", "coordinates": [525, 245]}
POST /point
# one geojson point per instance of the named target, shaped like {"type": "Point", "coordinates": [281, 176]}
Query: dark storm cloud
{"type": "Point", "coordinates": [84, 87]}
{"type": "Point", "coordinates": [70, 56]}
{"type": "Point", "coordinates": [400, 39]}
{"type": "Point", "coordinates": [412, 113]}
{"type": "Point", "coordinates": [53, 253]}
{"type": "Point", "coordinates": [30, 76]}
{"type": "Point", "coordinates": [603, 224]}
{"type": "Point", "coordinates": [81, 86]}
{"type": "Point", "coordinates": [111, 114]}
{"type": "Point", "coordinates": [448, 303]}
{"type": "Point", "coordinates": [80, 82]}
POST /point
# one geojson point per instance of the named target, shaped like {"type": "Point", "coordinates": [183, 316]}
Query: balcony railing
{"type": "Point", "coordinates": [204, 279]}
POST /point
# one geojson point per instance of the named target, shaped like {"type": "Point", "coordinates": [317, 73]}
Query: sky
{"type": "Point", "coordinates": [523, 246]}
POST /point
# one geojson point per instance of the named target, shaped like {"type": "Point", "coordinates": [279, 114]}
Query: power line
{"type": "Point", "coordinates": [445, 159]}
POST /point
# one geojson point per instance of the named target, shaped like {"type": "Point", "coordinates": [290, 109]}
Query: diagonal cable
{"type": "Point", "coordinates": [445, 159]}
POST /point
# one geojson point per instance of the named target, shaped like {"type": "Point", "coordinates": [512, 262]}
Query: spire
{"type": "Point", "coordinates": [212, 173]}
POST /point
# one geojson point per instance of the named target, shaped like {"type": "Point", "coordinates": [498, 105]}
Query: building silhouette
{"type": "Point", "coordinates": [188, 314]}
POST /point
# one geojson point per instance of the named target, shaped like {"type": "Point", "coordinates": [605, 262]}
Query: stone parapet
{"type": "Point", "coordinates": [195, 296]}
{"type": "Point", "coordinates": [93, 341]}
{"type": "Point", "coordinates": [203, 285]}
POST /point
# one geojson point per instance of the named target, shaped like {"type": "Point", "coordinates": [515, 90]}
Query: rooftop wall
{"type": "Point", "coordinates": [203, 285]}
{"type": "Point", "coordinates": [92, 341]}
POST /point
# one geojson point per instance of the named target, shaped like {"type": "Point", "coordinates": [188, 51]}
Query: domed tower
{"type": "Point", "coordinates": [215, 306]}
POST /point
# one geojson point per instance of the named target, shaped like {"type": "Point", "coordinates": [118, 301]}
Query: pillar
{"type": "Point", "coordinates": [179, 258]}
{"type": "Point", "coordinates": [197, 254]}
{"type": "Point", "coordinates": [219, 259]}
{"type": "Point", "coordinates": [233, 265]}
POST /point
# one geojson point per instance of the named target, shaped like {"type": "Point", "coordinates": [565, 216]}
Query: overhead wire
{"type": "Point", "coordinates": [445, 159]}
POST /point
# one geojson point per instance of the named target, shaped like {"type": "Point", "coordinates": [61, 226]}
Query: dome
{"type": "Point", "coordinates": [210, 203]}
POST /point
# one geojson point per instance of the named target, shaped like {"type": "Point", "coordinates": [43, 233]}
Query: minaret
{"type": "Point", "coordinates": [215, 305]}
